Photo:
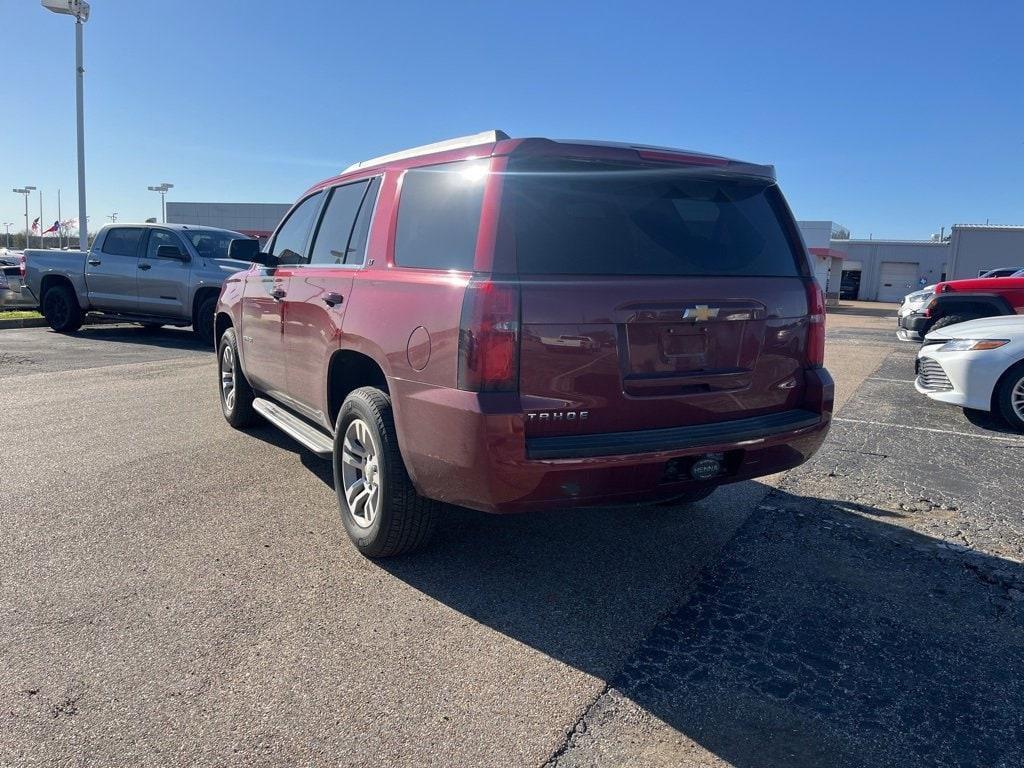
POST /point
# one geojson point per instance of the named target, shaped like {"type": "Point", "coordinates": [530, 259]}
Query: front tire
{"type": "Point", "coordinates": [202, 323]}
{"type": "Point", "coordinates": [61, 309]}
{"type": "Point", "coordinates": [942, 322]}
{"type": "Point", "coordinates": [380, 509]}
{"type": "Point", "coordinates": [1010, 396]}
{"type": "Point", "coordinates": [236, 394]}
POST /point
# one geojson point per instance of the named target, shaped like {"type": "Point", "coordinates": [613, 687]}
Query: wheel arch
{"type": "Point", "coordinates": [201, 295]}
{"type": "Point", "coordinates": [994, 398]}
{"type": "Point", "coordinates": [347, 370]}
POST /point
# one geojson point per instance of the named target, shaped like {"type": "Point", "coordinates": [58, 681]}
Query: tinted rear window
{"type": "Point", "coordinates": [439, 216]}
{"type": "Point", "coordinates": [122, 242]}
{"type": "Point", "coordinates": [582, 218]}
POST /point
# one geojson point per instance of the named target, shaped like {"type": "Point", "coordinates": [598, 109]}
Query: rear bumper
{"type": "Point", "coordinates": [471, 450]}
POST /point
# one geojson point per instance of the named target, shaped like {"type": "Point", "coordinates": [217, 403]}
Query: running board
{"type": "Point", "coordinates": [303, 433]}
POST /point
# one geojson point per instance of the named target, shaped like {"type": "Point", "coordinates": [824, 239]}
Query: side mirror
{"type": "Point", "coordinates": [249, 250]}
{"type": "Point", "coordinates": [171, 252]}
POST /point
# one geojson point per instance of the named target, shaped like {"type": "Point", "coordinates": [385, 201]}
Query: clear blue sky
{"type": "Point", "coordinates": [891, 118]}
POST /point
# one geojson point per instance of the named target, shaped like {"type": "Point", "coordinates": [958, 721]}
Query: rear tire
{"type": "Point", "coordinates": [380, 509]}
{"type": "Point", "coordinates": [1010, 396]}
{"type": "Point", "coordinates": [942, 322]}
{"type": "Point", "coordinates": [236, 394]}
{"type": "Point", "coordinates": [690, 497]}
{"type": "Point", "coordinates": [202, 323]}
{"type": "Point", "coordinates": [61, 309]}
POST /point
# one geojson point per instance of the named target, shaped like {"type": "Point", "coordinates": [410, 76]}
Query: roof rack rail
{"type": "Point", "coordinates": [484, 137]}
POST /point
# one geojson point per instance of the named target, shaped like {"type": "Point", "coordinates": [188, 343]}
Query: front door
{"type": "Point", "coordinates": [319, 293]}
{"type": "Point", "coordinates": [111, 267]}
{"type": "Point", "coordinates": [162, 281]}
{"type": "Point", "coordinates": [263, 347]}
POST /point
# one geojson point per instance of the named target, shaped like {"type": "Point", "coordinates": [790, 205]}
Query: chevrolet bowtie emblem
{"type": "Point", "coordinates": [700, 312]}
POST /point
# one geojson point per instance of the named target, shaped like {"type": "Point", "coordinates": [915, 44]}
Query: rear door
{"type": "Point", "coordinates": [111, 269]}
{"type": "Point", "coordinates": [163, 282]}
{"type": "Point", "coordinates": [653, 298]}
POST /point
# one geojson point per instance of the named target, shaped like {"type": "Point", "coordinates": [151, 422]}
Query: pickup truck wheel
{"type": "Point", "coordinates": [690, 497]}
{"type": "Point", "coordinates": [61, 309]}
{"type": "Point", "coordinates": [381, 511]}
{"type": "Point", "coordinates": [942, 322]}
{"type": "Point", "coordinates": [202, 323]}
{"type": "Point", "coordinates": [236, 394]}
{"type": "Point", "coordinates": [1010, 396]}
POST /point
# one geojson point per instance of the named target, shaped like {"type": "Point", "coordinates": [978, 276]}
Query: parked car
{"type": "Point", "coordinates": [914, 302]}
{"type": "Point", "coordinates": [957, 301]}
{"type": "Point", "coordinates": [1003, 272]}
{"type": "Point", "coordinates": [151, 274]}
{"type": "Point", "coordinates": [977, 364]}
{"type": "Point", "coordinates": [12, 282]}
{"type": "Point", "coordinates": [412, 317]}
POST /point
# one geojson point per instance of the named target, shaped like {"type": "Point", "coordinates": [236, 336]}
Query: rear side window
{"type": "Point", "coordinates": [583, 218]}
{"type": "Point", "coordinates": [332, 236]}
{"type": "Point", "coordinates": [439, 216]}
{"type": "Point", "coordinates": [123, 241]}
{"type": "Point", "coordinates": [293, 236]}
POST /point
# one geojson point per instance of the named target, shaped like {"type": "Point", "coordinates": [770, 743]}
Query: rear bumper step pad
{"type": "Point", "coordinates": [674, 438]}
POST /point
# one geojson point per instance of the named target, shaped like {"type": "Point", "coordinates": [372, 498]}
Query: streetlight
{"type": "Point", "coordinates": [80, 10]}
{"type": "Point", "coordinates": [7, 226]}
{"type": "Point", "coordinates": [113, 217]}
{"type": "Point", "coordinates": [26, 191]}
{"type": "Point", "coordinates": [162, 189]}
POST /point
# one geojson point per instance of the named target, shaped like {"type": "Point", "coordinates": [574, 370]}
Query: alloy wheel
{"type": "Point", "coordinates": [1017, 398]}
{"type": "Point", "coordinates": [227, 378]}
{"type": "Point", "coordinates": [361, 473]}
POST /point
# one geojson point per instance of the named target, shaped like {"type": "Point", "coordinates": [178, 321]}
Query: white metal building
{"type": "Point", "coordinates": [977, 248]}
{"type": "Point", "coordinates": [887, 270]}
{"type": "Point", "coordinates": [254, 219]}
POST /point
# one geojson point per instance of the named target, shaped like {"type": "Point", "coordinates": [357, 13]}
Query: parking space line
{"type": "Point", "coordinates": [1015, 440]}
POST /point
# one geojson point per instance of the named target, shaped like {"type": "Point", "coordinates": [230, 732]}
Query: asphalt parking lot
{"type": "Point", "coordinates": [176, 592]}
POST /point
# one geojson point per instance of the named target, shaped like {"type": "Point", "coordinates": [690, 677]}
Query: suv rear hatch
{"type": "Point", "coordinates": [653, 297]}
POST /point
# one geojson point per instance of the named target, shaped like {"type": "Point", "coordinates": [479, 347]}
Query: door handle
{"type": "Point", "coordinates": [95, 262]}
{"type": "Point", "coordinates": [145, 266]}
{"type": "Point", "coordinates": [333, 298]}
{"type": "Point", "coordinates": [278, 293]}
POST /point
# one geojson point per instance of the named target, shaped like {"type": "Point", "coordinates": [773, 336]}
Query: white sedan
{"type": "Point", "coordinates": [978, 364]}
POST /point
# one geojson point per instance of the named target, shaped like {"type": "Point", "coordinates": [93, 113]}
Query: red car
{"type": "Point", "coordinates": [957, 301]}
{"type": "Point", "coordinates": [414, 316]}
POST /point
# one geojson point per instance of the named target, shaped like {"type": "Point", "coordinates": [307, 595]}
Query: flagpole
{"type": "Point", "coordinates": [60, 240]}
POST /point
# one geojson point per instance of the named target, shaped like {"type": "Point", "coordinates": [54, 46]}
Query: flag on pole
{"type": "Point", "coordinates": [54, 228]}
{"type": "Point", "coordinates": [35, 226]}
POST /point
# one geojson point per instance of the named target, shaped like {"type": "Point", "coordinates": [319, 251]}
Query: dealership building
{"type": "Point", "coordinates": [253, 219]}
{"type": "Point", "coordinates": [887, 270]}
{"type": "Point", "coordinates": [848, 268]}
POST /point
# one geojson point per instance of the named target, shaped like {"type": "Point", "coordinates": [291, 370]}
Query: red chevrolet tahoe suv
{"type": "Point", "coordinates": [522, 324]}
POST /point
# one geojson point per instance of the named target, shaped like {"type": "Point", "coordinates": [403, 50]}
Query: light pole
{"type": "Point", "coordinates": [162, 189]}
{"type": "Point", "coordinates": [7, 226]}
{"type": "Point", "coordinates": [26, 191]}
{"type": "Point", "coordinates": [113, 217]}
{"type": "Point", "coordinates": [80, 10]}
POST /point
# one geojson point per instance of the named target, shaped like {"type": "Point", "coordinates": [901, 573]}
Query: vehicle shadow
{"type": "Point", "coordinates": [167, 338]}
{"type": "Point", "coordinates": [993, 422]}
{"type": "Point", "coordinates": [821, 635]}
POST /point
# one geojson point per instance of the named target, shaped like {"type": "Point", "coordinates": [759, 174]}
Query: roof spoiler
{"type": "Point", "coordinates": [484, 137]}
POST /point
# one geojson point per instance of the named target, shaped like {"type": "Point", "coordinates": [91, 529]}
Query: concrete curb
{"type": "Point", "coordinates": [25, 322]}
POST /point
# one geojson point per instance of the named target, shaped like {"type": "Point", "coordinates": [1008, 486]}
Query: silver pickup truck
{"type": "Point", "coordinates": [151, 274]}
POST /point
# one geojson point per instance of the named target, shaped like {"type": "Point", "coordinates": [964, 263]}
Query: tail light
{"type": "Point", "coordinates": [815, 325]}
{"type": "Point", "coordinates": [489, 337]}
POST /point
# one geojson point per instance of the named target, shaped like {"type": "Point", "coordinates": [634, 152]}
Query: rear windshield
{"type": "Point", "coordinates": [583, 218]}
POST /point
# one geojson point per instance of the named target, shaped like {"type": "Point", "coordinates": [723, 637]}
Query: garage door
{"type": "Point", "coordinates": [898, 278]}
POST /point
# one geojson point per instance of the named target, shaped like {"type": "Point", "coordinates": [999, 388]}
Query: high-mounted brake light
{"type": "Point", "coordinates": [681, 157]}
{"type": "Point", "coordinates": [815, 324]}
{"type": "Point", "coordinates": [489, 337]}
